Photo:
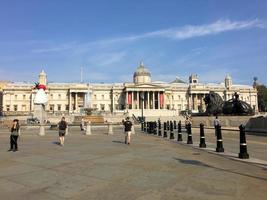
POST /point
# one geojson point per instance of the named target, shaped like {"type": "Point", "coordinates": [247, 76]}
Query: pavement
{"type": "Point", "coordinates": [101, 166]}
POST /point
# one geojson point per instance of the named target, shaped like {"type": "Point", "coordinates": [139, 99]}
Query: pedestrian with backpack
{"type": "Point", "coordinates": [15, 131]}
{"type": "Point", "coordinates": [128, 130]}
{"type": "Point", "coordinates": [62, 126]}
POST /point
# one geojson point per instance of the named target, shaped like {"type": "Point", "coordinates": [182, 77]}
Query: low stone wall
{"type": "Point", "coordinates": [257, 124]}
{"type": "Point", "coordinates": [226, 121]}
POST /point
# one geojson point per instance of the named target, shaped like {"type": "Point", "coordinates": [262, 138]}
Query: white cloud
{"type": "Point", "coordinates": [189, 31]}
{"type": "Point", "coordinates": [176, 33]}
{"type": "Point", "coordinates": [217, 27]}
{"type": "Point", "coordinates": [105, 59]}
{"type": "Point", "coordinates": [58, 48]}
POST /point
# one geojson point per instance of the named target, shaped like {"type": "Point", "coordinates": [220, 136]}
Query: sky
{"type": "Point", "coordinates": [108, 40]}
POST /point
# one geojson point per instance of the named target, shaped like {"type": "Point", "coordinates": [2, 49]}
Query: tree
{"type": "Point", "coordinates": [262, 97]}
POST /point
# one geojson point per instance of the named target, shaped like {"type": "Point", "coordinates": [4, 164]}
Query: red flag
{"type": "Point", "coordinates": [129, 98]}
{"type": "Point", "coordinates": [161, 98]}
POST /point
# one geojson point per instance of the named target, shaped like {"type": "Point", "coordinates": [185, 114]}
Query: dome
{"type": "Point", "coordinates": [142, 71]}
{"type": "Point", "coordinates": [228, 76]}
{"type": "Point", "coordinates": [142, 74]}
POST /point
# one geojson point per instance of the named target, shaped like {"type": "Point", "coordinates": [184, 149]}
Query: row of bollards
{"type": "Point", "coordinates": [170, 126]}
{"type": "Point", "coordinates": [88, 130]}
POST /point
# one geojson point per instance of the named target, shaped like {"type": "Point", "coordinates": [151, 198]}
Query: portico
{"type": "Point", "coordinates": [78, 99]}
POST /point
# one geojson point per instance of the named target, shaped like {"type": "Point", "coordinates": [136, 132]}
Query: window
{"type": "Point", "coordinates": [168, 106]}
{"type": "Point", "coordinates": [16, 97]}
{"type": "Point", "coordinates": [95, 96]}
{"type": "Point", "coordinates": [67, 107]}
{"type": "Point", "coordinates": [51, 96]}
{"type": "Point", "coordinates": [117, 107]}
{"type": "Point", "coordinates": [15, 107]}
{"type": "Point", "coordinates": [102, 106]}
{"type": "Point", "coordinates": [51, 107]}
{"type": "Point", "coordinates": [7, 107]}
{"type": "Point", "coordinates": [23, 107]}
{"type": "Point", "coordinates": [59, 96]}
{"type": "Point", "coordinates": [59, 107]}
{"type": "Point", "coordinates": [24, 97]}
{"type": "Point", "coordinates": [95, 106]}
{"type": "Point", "coordinates": [103, 97]}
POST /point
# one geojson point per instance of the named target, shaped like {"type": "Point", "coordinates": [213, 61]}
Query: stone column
{"type": "Point", "coordinates": [126, 100]}
{"type": "Point", "coordinates": [137, 99]}
{"type": "Point", "coordinates": [76, 101]}
{"type": "Point", "coordinates": [189, 102]}
{"type": "Point", "coordinates": [132, 96]}
{"type": "Point", "coordinates": [153, 99]}
{"type": "Point", "coordinates": [196, 102]}
{"type": "Point", "coordinates": [148, 99]}
{"type": "Point", "coordinates": [113, 102]}
{"type": "Point", "coordinates": [158, 100]}
{"type": "Point", "coordinates": [70, 104]}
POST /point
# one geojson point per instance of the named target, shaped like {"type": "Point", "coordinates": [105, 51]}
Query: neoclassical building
{"type": "Point", "coordinates": [155, 98]}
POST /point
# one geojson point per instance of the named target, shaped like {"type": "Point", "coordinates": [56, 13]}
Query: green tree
{"type": "Point", "coordinates": [262, 97]}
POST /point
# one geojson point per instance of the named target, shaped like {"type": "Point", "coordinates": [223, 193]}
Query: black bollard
{"type": "Point", "coordinates": [165, 130]}
{"type": "Point", "coordinates": [189, 134]}
{"type": "Point", "coordinates": [171, 131]}
{"type": "Point", "coordinates": [168, 125]}
{"type": "Point", "coordinates": [142, 126]}
{"type": "Point", "coordinates": [150, 128]}
{"type": "Point", "coordinates": [219, 147]}
{"type": "Point", "coordinates": [147, 127]}
{"type": "Point", "coordinates": [159, 128]}
{"type": "Point", "coordinates": [180, 136]}
{"type": "Point", "coordinates": [243, 143]}
{"type": "Point", "coordinates": [155, 128]}
{"type": "Point", "coordinates": [174, 125]}
{"type": "Point", "coordinates": [202, 143]}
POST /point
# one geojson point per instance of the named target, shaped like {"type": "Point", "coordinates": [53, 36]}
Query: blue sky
{"type": "Point", "coordinates": [108, 39]}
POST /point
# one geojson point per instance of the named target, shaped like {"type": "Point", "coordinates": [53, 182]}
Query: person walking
{"type": "Point", "coordinates": [82, 125]}
{"type": "Point", "coordinates": [62, 126]}
{"type": "Point", "coordinates": [127, 129]}
{"type": "Point", "coordinates": [15, 131]}
{"type": "Point", "coordinates": [187, 123]}
{"type": "Point", "coordinates": [216, 123]}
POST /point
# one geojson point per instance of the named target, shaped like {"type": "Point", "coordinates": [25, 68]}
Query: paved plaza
{"type": "Point", "coordinates": [101, 166]}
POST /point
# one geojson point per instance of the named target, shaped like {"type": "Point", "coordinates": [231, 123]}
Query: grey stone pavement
{"type": "Point", "coordinates": [101, 166]}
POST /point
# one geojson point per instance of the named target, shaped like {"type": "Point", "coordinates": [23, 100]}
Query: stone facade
{"type": "Point", "coordinates": [155, 98]}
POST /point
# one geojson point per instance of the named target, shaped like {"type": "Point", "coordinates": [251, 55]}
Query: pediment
{"type": "Point", "coordinates": [144, 86]}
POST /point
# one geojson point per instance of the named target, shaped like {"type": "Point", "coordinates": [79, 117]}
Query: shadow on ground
{"type": "Point", "coordinates": [199, 163]}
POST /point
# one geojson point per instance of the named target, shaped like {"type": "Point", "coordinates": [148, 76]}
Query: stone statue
{"type": "Point", "coordinates": [234, 106]}
{"type": "Point", "coordinates": [214, 103]}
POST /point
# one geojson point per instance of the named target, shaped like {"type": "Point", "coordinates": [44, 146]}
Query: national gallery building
{"type": "Point", "coordinates": [155, 98]}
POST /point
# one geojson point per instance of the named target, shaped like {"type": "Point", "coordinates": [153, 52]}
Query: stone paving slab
{"type": "Point", "coordinates": [101, 166]}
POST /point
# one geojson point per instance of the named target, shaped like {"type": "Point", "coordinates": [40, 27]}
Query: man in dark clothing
{"type": "Point", "coordinates": [62, 126]}
{"type": "Point", "coordinates": [128, 130]}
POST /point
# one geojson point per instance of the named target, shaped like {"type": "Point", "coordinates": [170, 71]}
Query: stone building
{"type": "Point", "coordinates": [155, 98]}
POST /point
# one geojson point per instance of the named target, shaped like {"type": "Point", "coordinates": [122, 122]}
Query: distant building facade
{"type": "Point", "coordinates": [155, 97]}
